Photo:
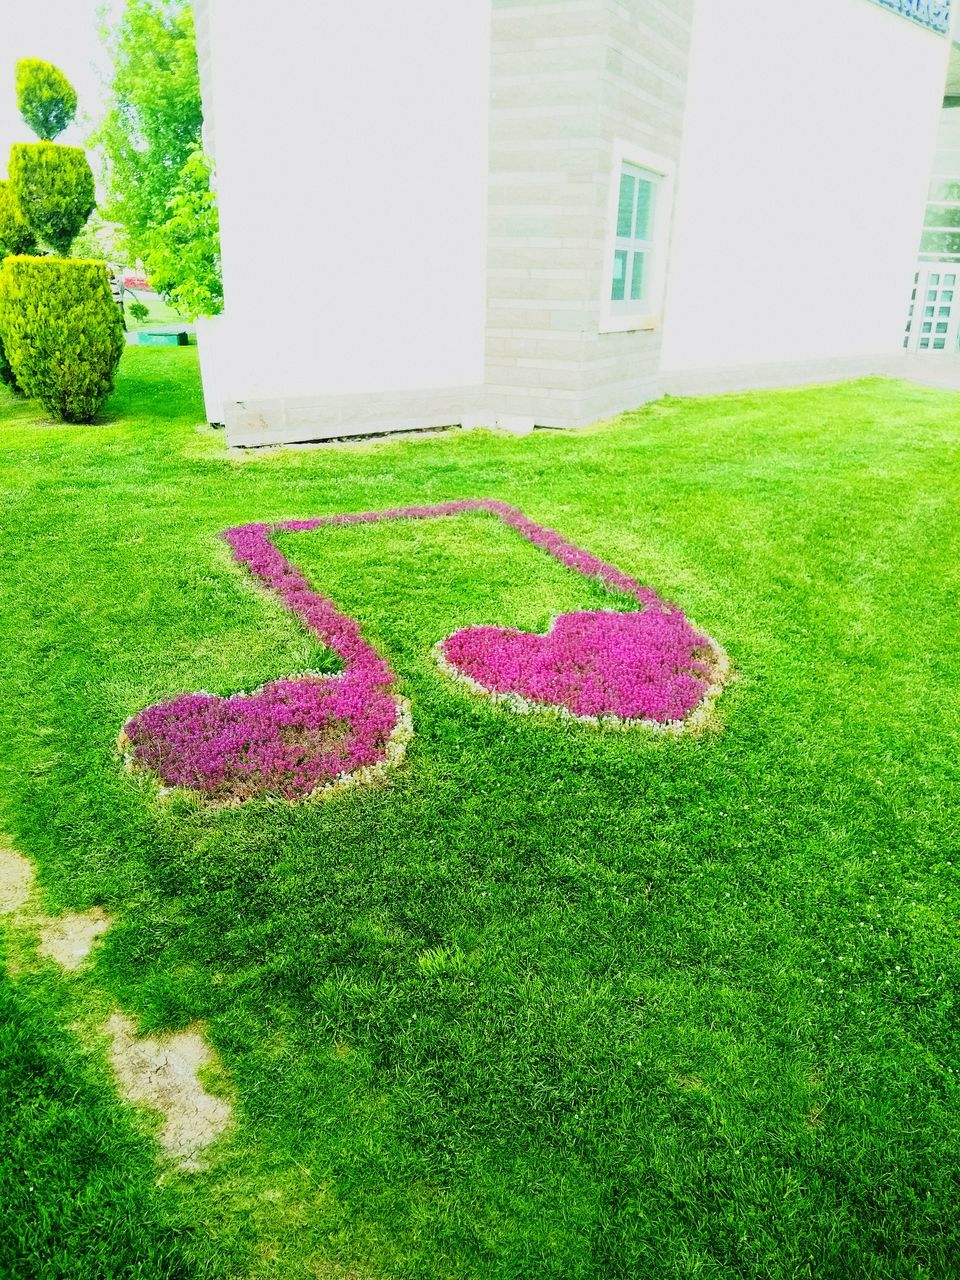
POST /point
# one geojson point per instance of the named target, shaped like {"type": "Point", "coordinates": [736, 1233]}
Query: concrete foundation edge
{"type": "Point", "coordinates": [253, 424]}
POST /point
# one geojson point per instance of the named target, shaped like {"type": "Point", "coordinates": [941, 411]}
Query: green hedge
{"type": "Point", "coordinates": [54, 189]}
{"type": "Point", "coordinates": [61, 331]}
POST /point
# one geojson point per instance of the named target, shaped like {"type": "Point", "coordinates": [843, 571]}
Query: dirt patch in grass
{"type": "Point", "coordinates": [16, 881]}
{"type": "Point", "coordinates": [161, 1072]}
{"type": "Point", "coordinates": [68, 940]}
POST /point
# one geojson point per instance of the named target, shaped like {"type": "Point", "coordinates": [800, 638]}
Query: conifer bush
{"type": "Point", "coordinates": [15, 237]}
{"type": "Point", "coordinates": [15, 233]}
{"type": "Point", "coordinates": [61, 335]}
{"type": "Point", "coordinates": [54, 189]}
{"type": "Point", "coordinates": [6, 373]}
{"type": "Point", "coordinates": [46, 99]}
{"type": "Point", "coordinates": [62, 332]}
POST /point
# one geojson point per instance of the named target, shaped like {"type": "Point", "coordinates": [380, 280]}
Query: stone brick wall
{"type": "Point", "coordinates": [568, 78]}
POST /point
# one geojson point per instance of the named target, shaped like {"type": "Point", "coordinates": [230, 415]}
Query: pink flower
{"type": "Point", "coordinates": [294, 735]}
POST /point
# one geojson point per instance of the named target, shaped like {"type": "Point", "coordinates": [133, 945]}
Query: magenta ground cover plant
{"type": "Point", "coordinates": [305, 735]}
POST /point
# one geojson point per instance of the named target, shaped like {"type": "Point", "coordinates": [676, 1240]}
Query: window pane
{"type": "Point", "coordinates": [940, 242]}
{"type": "Point", "coordinates": [939, 344]}
{"type": "Point", "coordinates": [943, 311]}
{"type": "Point", "coordinates": [944, 189]}
{"type": "Point", "coordinates": [931, 295]}
{"type": "Point", "coordinates": [927, 327]}
{"type": "Point", "coordinates": [928, 311]}
{"type": "Point", "coordinates": [934, 280]}
{"type": "Point", "coordinates": [924, 344]}
{"type": "Point", "coordinates": [618, 292]}
{"type": "Point", "coordinates": [636, 278]}
{"type": "Point", "coordinates": [942, 326]}
{"type": "Point", "coordinates": [628, 185]}
{"type": "Point", "coordinates": [939, 215]}
{"type": "Point", "coordinates": [644, 208]}
{"type": "Point", "coordinates": [946, 295]}
{"type": "Point", "coordinates": [951, 280]}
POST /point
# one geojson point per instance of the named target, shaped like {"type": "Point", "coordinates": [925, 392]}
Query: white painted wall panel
{"type": "Point", "coordinates": [808, 141]}
{"type": "Point", "coordinates": [351, 150]}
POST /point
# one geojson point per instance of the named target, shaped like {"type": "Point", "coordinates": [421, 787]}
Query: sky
{"type": "Point", "coordinates": [63, 32]}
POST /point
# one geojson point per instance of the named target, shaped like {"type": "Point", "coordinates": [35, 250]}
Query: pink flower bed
{"type": "Point", "coordinates": [290, 738]}
{"type": "Point", "coordinates": [298, 737]}
{"type": "Point", "coordinates": [634, 666]}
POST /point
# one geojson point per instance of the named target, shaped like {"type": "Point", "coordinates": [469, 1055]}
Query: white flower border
{"type": "Point", "coordinates": [366, 775]}
{"type": "Point", "coordinates": [699, 720]}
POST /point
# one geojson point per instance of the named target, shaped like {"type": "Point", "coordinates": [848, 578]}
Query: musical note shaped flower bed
{"type": "Point", "coordinates": [310, 734]}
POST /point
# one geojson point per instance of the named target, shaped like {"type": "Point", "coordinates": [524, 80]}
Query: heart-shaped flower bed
{"type": "Point", "coordinates": [291, 738]}
{"type": "Point", "coordinates": [649, 666]}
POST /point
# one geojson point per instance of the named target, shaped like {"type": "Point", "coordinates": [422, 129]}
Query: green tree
{"type": "Point", "coordinates": [46, 99]}
{"type": "Point", "coordinates": [96, 240]}
{"type": "Point", "coordinates": [150, 139]}
{"type": "Point", "coordinates": [183, 252]}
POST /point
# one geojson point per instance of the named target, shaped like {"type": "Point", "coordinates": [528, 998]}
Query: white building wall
{"type": "Point", "coordinates": [808, 141]}
{"type": "Point", "coordinates": [415, 225]}
{"type": "Point", "coordinates": [351, 169]}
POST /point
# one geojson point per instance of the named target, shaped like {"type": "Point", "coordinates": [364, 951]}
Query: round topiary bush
{"type": "Point", "coordinates": [61, 332]}
{"type": "Point", "coordinates": [54, 190]}
{"type": "Point", "coordinates": [46, 99]}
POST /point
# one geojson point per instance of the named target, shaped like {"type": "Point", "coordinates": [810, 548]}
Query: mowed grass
{"type": "Point", "coordinates": [555, 1003]}
{"type": "Point", "coordinates": [77, 1182]}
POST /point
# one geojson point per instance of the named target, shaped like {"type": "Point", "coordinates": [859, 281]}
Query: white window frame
{"type": "Point", "coordinates": [619, 317]}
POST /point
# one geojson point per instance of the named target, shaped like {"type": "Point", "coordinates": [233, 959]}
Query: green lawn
{"type": "Point", "coordinates": [161, 312]}
{"type": "Point", "coordinates": [696, 1009]}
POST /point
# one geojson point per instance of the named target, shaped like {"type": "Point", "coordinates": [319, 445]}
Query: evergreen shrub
{"type": "Point", "coordinates": [15, 233]}
{"type": "Point", "coordinates": [6, 373]}
{"type": "Point", "coordinates": [46, 99]}
{"type": "Point", "coordinates": [54, 189]}
{"type": "Point", "coordinates": [62, 332]}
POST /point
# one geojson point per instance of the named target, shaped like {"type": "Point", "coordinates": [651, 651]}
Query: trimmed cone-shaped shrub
{"type": "Point", "coordinates": [15, 233]}
{"type": "Point", "coordinates": [6, 373]}
{"type": "Point", "coordinates": [54, 189]}
{"type": "Point", "coordinates": [61, 331]}
{"type": "Point", "coordinates": [46, 99]}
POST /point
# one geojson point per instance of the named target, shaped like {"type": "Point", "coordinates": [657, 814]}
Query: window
{"type": "Point", "coordinates": [634, 243]}
{"type": "Point", "coordinates": [636, 240]}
